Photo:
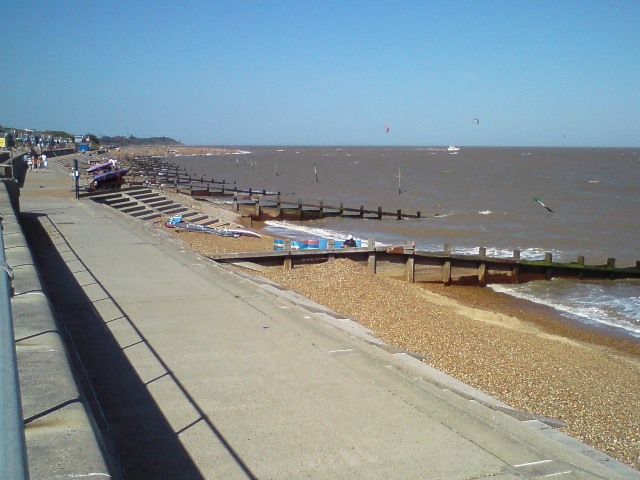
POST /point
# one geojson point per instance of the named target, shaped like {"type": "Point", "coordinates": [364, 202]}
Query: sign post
{"type": "Point", "coordinates": [76, 177]}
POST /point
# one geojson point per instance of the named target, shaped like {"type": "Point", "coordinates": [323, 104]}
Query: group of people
{"type": "Point", "coordinates": [38, 162]}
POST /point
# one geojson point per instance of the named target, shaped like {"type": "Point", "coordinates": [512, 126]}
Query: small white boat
{"type": "Point", "coordinates": [451, 148]}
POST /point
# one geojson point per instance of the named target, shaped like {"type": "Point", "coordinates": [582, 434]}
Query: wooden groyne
{"type": "Point", "coordinates": [444, 267]}
{"type": "Point", "coordinates": [259, 204]}
{"type": "Point", "coordinates": [262, 208]}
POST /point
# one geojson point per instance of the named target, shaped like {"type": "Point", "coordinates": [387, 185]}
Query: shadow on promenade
{"type": "Point", "coordinates": [139, 438]}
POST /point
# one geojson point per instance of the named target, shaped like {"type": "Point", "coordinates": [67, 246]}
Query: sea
{"type": "Point", "coordinates": [569, 202]}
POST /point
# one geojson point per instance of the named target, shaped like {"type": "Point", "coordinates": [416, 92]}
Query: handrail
{"type": "Point", "coordinates": [13, 456]}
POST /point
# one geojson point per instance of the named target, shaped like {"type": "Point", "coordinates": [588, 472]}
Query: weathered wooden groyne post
{"type": "Point", "coordinates": [410, 266]}
{"type": "Point", "coordinates": [446, 266]}
{"type": "Point", "coordinates": [515, 272]}
{"type": "Point", "coordinates": [482, 267]}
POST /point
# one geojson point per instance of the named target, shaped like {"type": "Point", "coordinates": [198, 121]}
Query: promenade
{"type": "Point", "coordinates": [192, 371]}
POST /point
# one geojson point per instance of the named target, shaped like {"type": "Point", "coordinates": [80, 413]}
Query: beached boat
{"type": "Point", "coordinates": [113, 179]}
{"type": "Point", "coordinates": [102, 167]}
{"type": "Point", "coordinates": [176, 222]}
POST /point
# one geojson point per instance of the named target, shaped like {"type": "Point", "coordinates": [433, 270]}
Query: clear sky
{"type": "Point", "coordinates": [302, 72]}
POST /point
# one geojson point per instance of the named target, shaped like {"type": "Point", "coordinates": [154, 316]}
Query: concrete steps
{"type": "Point", "coordinates": [144, 204]}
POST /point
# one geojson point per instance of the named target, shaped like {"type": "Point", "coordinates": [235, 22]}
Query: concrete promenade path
{"type": "Point", "coordinates": [194, 371]}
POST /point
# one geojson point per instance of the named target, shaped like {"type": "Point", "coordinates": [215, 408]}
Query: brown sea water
{"type": "Point", "coordinates": [475, 197]}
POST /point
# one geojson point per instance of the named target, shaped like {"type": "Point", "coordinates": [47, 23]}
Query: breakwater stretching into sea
{"type": "Point", "coordinates": [477, 197]}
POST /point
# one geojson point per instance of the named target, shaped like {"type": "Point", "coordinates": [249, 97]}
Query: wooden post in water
{"type": "Point", "coordinates": [341, 209]}
{"type": "Point", "coordinates": [399, 214]}
{"type": "Point", "coordinates": [548, 274]}
{"type": "Point", "coordinates": [379, 213]}
{"type": "Point", "coordinates": [482, 267]}
{"type": "Point", "coordinates": [236, 207]}
{"type": "Point", "coordinates": [278, 207]}
{"type": "Point", "coordinates": [611, 263]}
{"type": "Point", "coordinates": [446, 267]}
{"type": "Point", "coordinates": [580, 261]}
{"type": "Point", "coordinates": [515, 273]}
{"type": "Point", "coordinates": [321, 209]}
{"type": "Point", "coordinates": [256, 208]}
{"type": "Point", "coordinates": [361, 211]}
{"type": "Point", "coordinates": [300, 208]}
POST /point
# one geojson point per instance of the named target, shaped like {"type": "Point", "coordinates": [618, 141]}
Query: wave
{"type": "Point", "coordinates": [606, 304]}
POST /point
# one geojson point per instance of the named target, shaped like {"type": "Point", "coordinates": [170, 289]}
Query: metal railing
{"type": "Point", "coordinates": [13, 456]}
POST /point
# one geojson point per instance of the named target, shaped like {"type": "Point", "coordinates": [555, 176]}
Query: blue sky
{"type": "Point", "coordinates": [535, 73]}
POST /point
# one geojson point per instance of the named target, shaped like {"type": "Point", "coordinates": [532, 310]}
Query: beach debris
{"type": "Point", "coordinates": [539, 202]}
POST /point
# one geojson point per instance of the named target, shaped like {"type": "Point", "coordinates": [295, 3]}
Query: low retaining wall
{"type": "Point", "coordinates": [61, 440]}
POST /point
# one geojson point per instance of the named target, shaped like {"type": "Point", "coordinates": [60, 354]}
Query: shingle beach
{"type": "Point", "coordinates": [525, 355]}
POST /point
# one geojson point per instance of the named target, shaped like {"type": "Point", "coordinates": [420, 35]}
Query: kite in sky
{"type": "Point", "coordinates": [537, 200]}
{"type": "Point", "coordinates": [476, 121]}
{"type": "Point", "coordinates": [387, 129]}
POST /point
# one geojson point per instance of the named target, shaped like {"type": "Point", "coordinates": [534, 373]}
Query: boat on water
{"type": "Point", "coordinates": [451, 148]}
